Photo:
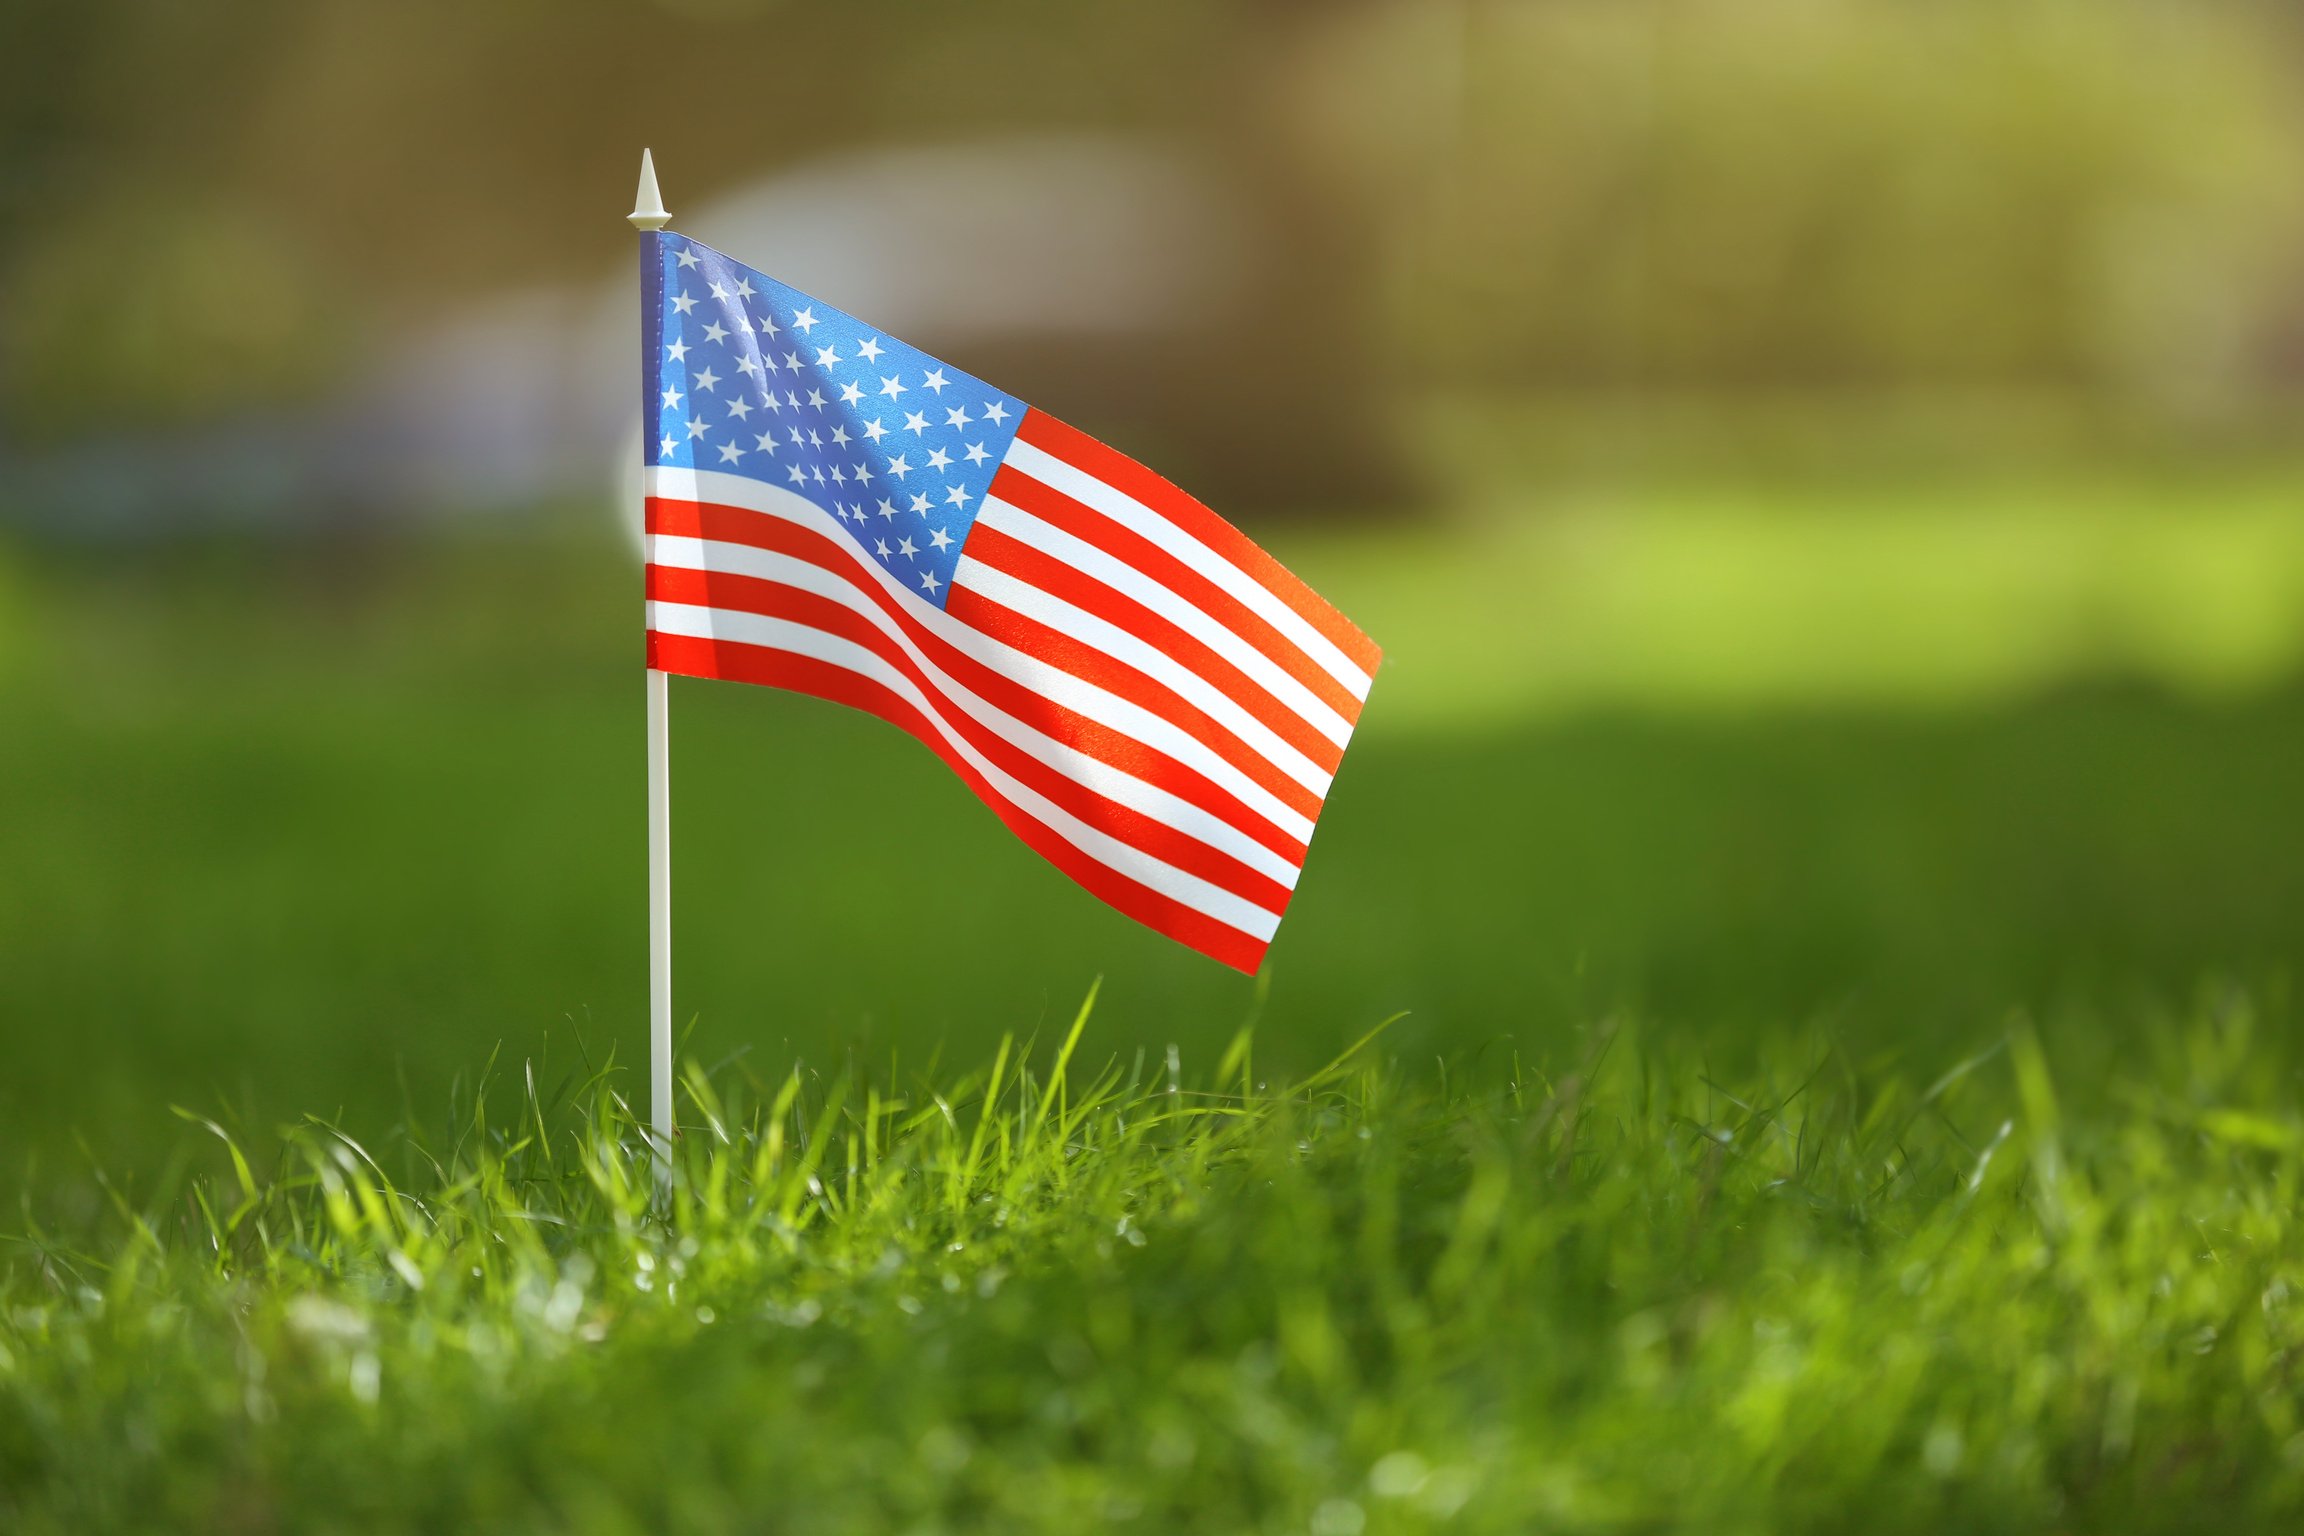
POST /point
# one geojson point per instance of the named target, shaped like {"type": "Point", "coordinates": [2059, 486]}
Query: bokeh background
{"type": "Point", "coordinates": [1826, 474]}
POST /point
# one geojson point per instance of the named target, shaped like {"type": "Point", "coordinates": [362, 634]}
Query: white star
{"type": "Point", "coordinates": [678, 351]}
{"type": "Point", "coordinates": [840, 435]}
{"type": "Point", "coordinates": [875, 431]}
{"type": "Point", "coordinates": [892, 387]}
{"type": "Point", "coordinates": [887, 507]}
{"type": "Point", "coordinates": [941, 540]}
{"type": "Point", "coordinates": [813, 440]}
{"type": "Point", "coordinates": [920, 503]}
{"type": "Point", "coordinates": [816, 398]}
{"type": "Point", "coordinates": [863, 474]}
{"type": "Point", "coordinates": [849, 393]}
{"type": "Point", "coordinates": [827, 356]}
{"type": "Point", "coordinates": [939, 459]}
{"type": "Point", "coordinates": [916, 422]}
{"type": "Point", "coordinates": [929, 583]}
{"type": "Point", "coordinates": [747, 365]}
{"type": "Point", "coordinates": [696, 428]}
{"type": "Point", "coordinates": [765, 441]}
{"type": "Point", "coordinates": [671, 397]}
{"type": "Point", "coordinates": [739, 406]}
{"type": "Point", "coordinates": [839, 475]}
{"type": "Point", "coordinates": [816, 473]}
{"type": "Point", "coordinates": [730, 453]}
{"type": "Point", "coordinates": [880, 548]}
{"type": "Point", "coordinates": [792, 365]}
{"type": "Point", "coordinates": [995, 413]}
{"type": "Point", "coordinates": [796, 475]}
{"type": "Point", "coordinates": [687, 257]}
{"type": "Point", "coordinates": [715, 332]}
{"type": "Point", "coordinates": [899, 466]}
{"type": "Point", "coordinates": [805, 321]}
{"type": "Point", "coordinates": [669, 447]}
{"type": "Point", "coordinates": [791, 399]}
{"type": "Point", "coordinates": [720, 293]}
{"type": "Point", "coordinates": [957, 496]}
{"type": "Point", "coordinates": [935, 380]}
{"type": "Point", "coordinates": [743, 287]}
{"type": "Point", "coordinates": [707, 380]}
{"type": "Point", "coordinates": [682, 303]}
{"type": "Point", "coordinates": [768, 324]}
{"type": "Point", "coordinates": [957, 416]}
{"type": "Point", "coordinates": [769, 400]}
{"type": "Point", "coordinates": [976, 453]}
{"type": "Point", "coordinates": [905, 546]}
{"type": "Point", "coordinates": [797, 439]}
{"type": "Point", "coordinates": [869, 349]}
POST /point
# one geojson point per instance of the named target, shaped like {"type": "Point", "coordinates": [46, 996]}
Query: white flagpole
{"type": "Point", "coordinates": [660, 912]}
{"type": "Point", "coordinates": [648, 215]}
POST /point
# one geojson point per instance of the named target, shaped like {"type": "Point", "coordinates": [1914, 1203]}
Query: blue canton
{"type": "Point", "coordinates": [756, 379]}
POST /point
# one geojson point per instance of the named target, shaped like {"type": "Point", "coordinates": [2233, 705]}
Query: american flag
{"type": "Point", "coordinates": [1140, 692]}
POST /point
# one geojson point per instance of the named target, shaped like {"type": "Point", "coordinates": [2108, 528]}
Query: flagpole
{"type": "Point", "coordinates": [647, 216]}
{"type": "Point", "coordinates": [660, 911]}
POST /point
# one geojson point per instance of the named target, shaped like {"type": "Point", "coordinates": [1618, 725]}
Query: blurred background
{"type": "Point", "coordinates": [1825, 473]}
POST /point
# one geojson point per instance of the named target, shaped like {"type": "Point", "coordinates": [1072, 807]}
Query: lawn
{"type": "Point", "coordinates": [1052, 1297]}
{"type": "Point", "coordinates": [1825, 1090]}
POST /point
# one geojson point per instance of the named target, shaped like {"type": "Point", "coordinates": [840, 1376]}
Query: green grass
{"type": "Point", "coordinates": [1846, 1076]}
{"type": "Point", "coordinates": [1619, 1294]}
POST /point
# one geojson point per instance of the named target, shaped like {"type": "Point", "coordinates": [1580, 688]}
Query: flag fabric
{"type": "Point", "coordinates": [1140, 692]}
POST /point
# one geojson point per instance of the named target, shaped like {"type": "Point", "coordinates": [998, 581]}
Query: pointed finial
{"type": "Point", "coordinates": [648, 208]}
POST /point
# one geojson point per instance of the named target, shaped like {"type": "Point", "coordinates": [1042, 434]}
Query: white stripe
{"type": "Point", "coordinates": [1121, 577]}
{"type": "Point", "coordinates": [1092, 773]}
{"type": "Point", "coordinates": [804, 640]}
{"type": "Point", "coordinates": [1130, 513]}
{"type": "Point", "coordinates": [1083, 698]}
{"type": "Point", "coordinates": [1131, 650]}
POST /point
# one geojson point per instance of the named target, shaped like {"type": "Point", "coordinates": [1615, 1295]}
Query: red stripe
{"type": "Point", "coordinates": [1046, 643]}
{"type": "Point", "coordinates": [803, 674]}
{"type": "Point", "coordinates": [1090, 526]}
{"type": "Point", "coordinates": [736, 525]}
{"type": "Point", "coordinates": [751, 594]}
{"type": "Point", "coordinates": [1005, 552]}
{"type": "Point", "coordinates": [1124, 474]}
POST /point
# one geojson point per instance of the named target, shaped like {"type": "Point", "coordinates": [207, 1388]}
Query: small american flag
{"type": "Point", "coordinates": [1134, 687]}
